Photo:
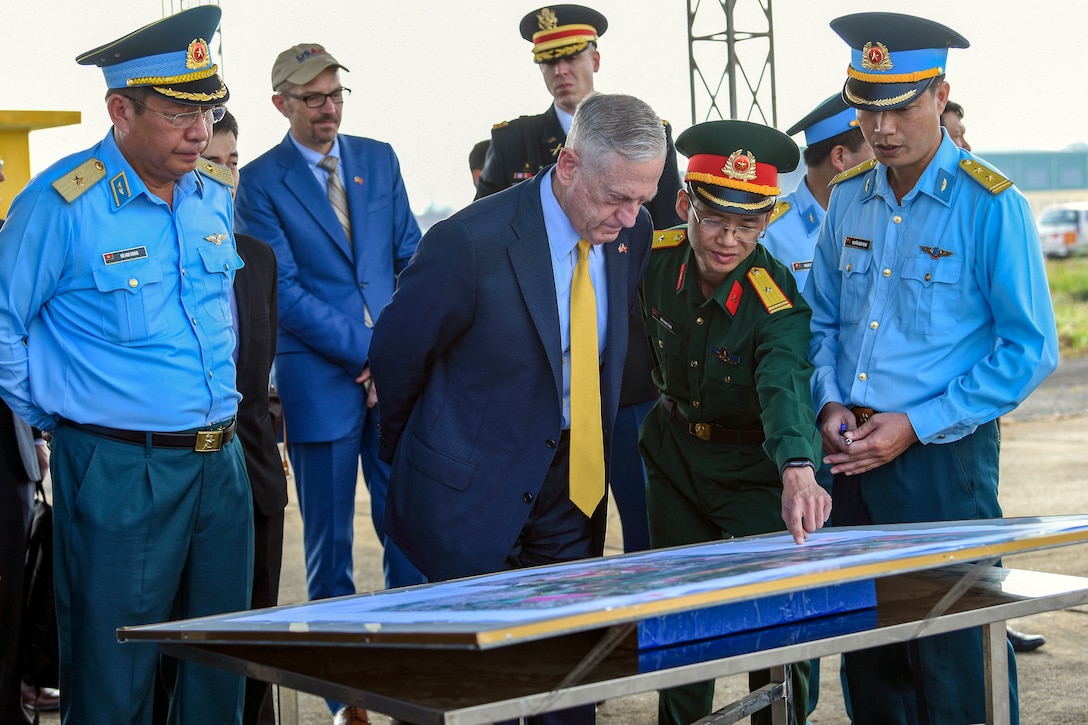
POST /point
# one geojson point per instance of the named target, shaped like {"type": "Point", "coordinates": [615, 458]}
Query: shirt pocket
{"type": "Point", "coordinates": [220, 264]}
{"type": "Point", "coordinates": [857, 283]}
{"type": "Point", "coordinates": [928, 298]}
{"type": "Point", "coordinates": [131, 300]}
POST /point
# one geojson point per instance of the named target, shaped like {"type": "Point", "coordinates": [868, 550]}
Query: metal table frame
{"type": "Point", "coordinates": [463, 687]}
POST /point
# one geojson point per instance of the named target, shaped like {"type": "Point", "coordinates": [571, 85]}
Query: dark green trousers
{"type": "Point", "coordinates": [938, 680]}
{"type": "Point", "coordinates": [698, 491]}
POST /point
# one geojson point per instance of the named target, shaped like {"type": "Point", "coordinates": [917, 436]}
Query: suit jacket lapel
{"type": "Point", "coordinates": [617, 266]}
{"type": "Point", "coordinates": [301, 182]}
{"type": "Point", "coordinates": [530, 256]}
{"type": "Point", "coordinates": [357, 181]}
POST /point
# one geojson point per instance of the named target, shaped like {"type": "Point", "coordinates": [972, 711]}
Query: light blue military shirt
{"type": "Point", "coordinates": [114, 307]}
{"type": "Point", "coordinates": [937, 307]}
{"type": "Point", "coordinates": [791, 235]}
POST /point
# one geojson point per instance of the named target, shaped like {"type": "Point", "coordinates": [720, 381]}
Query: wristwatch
{"type": "Point", "coordinates": [798, 463]}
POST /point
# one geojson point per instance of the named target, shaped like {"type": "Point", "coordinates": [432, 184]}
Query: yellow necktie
{"type": "Point", "coordinates": [586, 438]}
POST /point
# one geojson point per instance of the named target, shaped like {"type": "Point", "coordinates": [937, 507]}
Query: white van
{"type": "Point", "coordinates": [1063, 229]}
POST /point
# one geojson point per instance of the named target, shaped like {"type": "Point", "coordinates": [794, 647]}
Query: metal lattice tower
{"type": "Point", "coordinates": [731, 56]}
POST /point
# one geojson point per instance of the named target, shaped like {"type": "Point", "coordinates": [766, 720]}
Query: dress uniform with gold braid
{"type": "Point", "coordinates": [522, 147]}
{"type": "Point", "coordinates": [733, 374]}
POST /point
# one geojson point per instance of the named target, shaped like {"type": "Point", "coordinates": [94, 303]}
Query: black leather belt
{"type": "Point", "coordinates": [202, 441]}
{"type": "Point", "coordinates": [712, 432]}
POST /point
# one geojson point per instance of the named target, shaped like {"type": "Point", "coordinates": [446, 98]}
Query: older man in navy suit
{"type": "Point", "coordinates": [484, 401]}
{"type": "Point", "coordinates": [334, 209]}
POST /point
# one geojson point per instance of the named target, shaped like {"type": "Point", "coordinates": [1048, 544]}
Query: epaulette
{"type": "Point", "coordinates": [770, 294]}
{"type": "Point", "coordinates": [779, 209]}
{"type": "Point", "coordinates": [851, 173]}
{"type": "Point", "coordinates": [992, 181]}
{"type": "Point", "coordinates": [500, 124]}
{"type": "Point", "coordinates": [73, 184]}
{"type": "Point", "coordinates": [668, 238]}
{"type": "Point", "coordinates": [215, 171]}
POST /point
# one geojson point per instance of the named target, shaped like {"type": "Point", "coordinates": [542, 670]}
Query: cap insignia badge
{"type": "Point", "coordinates": [197, 56]}
{"type": "Point", "coordinates": [876, 56]}
{"type": "Point", "coordinates": [741, 166]}
{"type": "Point", "coordinates": [546, 19]}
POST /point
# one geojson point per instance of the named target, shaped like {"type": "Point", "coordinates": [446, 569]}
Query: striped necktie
{"type": "Point", "coordinates": [586, 438]}
{"type": "Point", "coordinates": [337, 196]}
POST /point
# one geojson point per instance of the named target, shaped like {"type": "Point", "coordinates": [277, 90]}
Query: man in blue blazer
{"type": "Point", "coordinates": [337, 270]}
{"type": "Point", "coordinates": [472, 356]}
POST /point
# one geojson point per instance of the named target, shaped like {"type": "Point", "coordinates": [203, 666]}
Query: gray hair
{"type": "Point", "coordinates": [619, 124]}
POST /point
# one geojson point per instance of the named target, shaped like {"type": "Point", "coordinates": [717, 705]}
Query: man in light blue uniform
{"type": "Point", "coordinates": [115, 268]}
{"type": "Point", "coordinates": [931, 318]}
{"type": "Point", "coordinates": [834, 145]}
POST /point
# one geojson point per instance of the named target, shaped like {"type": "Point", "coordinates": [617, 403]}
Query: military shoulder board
{"type": "Point", "coordinates": [76, 182]}
{"type": "Point", "coordinates": [779, 209]}
{"type": "Point", "coordinates": [215, 171]}
{"type": "Point", "coordinates": [994, 182]}
{"type": "Point", "coordinates": [851, 173]}
{"type": "Point", "coordinates": [668, 238]}
{"type": "Point", "coordinates": [770, 294]}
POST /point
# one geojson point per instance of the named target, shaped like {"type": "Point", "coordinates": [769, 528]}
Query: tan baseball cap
{"type": "Point", "coordinates": [302, 63]}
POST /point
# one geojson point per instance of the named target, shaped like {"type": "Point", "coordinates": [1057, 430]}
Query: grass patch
{"type": "Point", "coordinates": [1069, 291]}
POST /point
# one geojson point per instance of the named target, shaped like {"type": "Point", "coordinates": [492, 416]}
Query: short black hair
{"type": "Point", "coordinates": [952, 107]}
{"type": "Point", "coordinates": [227, 124]}
{"type": "Point", "coordinates": [815, 154]}
{"type": "Point", "coordinates": [477, 155]}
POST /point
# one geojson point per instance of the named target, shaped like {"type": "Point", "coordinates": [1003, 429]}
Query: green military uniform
{"type": "Point", "coordinates": [737, 361]}
{"type": "Point", "coordinates": [731, 334]}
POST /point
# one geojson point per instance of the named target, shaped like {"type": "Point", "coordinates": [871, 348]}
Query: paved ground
{"type": "Point", "coordinates": [1045, 445]}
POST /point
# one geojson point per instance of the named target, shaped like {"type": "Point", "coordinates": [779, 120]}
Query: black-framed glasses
{"type": "Point", "coordinates": [317, 100]}
{"type": "Point", "coordinates": [714, 227]}
{"type": "Point", "coordinates": [211, 115]}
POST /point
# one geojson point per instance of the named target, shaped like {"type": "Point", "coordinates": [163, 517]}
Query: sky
{"type": "Point", "coordinates": [432, 76]}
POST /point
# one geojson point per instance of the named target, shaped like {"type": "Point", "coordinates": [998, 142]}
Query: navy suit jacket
{"type": "Point", "coordinates": [467, 363]}
{"type": "Point", "coordinates": [325, 279]}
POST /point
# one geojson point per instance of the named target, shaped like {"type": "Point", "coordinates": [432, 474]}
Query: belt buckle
{"type": "Point", "coordinates": [863, 413]}
{"type": "Point", "coordinates": [208, 441]}
{"type": "Point", "coordinates": [700, 431]}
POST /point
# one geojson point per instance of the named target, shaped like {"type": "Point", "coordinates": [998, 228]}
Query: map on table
{"type": "Point", "coordinates": [527, 604]}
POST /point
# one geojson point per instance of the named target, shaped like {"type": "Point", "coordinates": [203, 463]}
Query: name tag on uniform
{"type": "Point", "coordinates": [124, 255]}
{"type": "Point", "coordinates": [662, 321]}
{"type": "Point", "coordinates": [802, 266]}
{"type": "Point", "coordinates": [855, 243]}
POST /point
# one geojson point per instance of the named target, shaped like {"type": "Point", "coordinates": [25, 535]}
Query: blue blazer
{"type": "Point", "coordinates": [467, 363]}
{"type": "Point", "coordinates": [326, 279]}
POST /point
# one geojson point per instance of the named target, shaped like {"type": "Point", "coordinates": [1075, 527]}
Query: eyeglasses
{"type": "Point", "coordinates": [186, 120]}
{"type": "Point", "coordinates": [317, 100]}
{"type": "Point", "coordinates": [714, 227]}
